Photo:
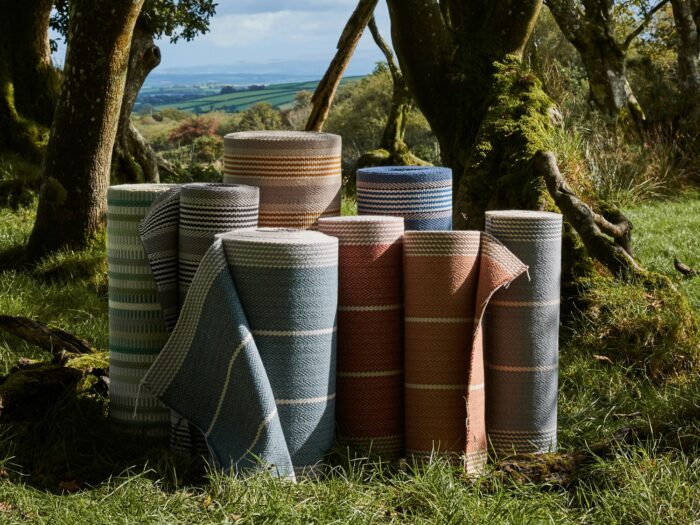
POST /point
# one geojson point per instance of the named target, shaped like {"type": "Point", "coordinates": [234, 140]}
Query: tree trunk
{"type": "Point", "coordinates": [684, 15]}
{"type": "Point", "coordinates": [449, 55]}
{"type": "Point", "coordinates": [591, 32]}
{"type": "Point", "coordinates": [393, 150]}
{"type": "Point", "coordinates": [29, 84]}
{"type": "Point", "coordinates": [78, 157]}
{"type": "Point", "coordinates": [134, 161]}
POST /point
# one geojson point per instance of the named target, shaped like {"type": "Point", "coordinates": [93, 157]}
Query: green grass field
{"type": "Point", "coordinates": [71, 470]}
{"type": "Point", "coordinates": [279, 95]}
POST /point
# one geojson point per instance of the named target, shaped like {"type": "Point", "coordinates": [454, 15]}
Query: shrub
{"type": "Point", "coordinates": [193, 128]}
{"type": "Point", "coordinates": [207, 149]}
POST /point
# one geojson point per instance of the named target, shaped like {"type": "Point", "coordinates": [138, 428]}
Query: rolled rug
{"type": "Point", "coordinates": [369, 408]}
{"type": "Point", "coordinates": [178, 230]}
{"type": "Point", "coordinates": [298, 173]}
{"type": "Point", "coordinates": [421, 195]}
{"type": "Point", "coordinates": [136, 324]}
{"type": "Point", "coordinates": [449, 278]}
{"type": "Point", "coordinates": [288, 284]}
{"type": "Point", "coordinates": [523, 336]}
{"type": "Point", "coordinates": [210, 371]}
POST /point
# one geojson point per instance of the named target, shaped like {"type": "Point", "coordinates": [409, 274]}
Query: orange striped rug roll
{"type": "Point", "coordinates": [298, 173]}
{"type": "Point", "coordinates": [449, 278]}
{"type": "Point", "coordinates": [369, 405]}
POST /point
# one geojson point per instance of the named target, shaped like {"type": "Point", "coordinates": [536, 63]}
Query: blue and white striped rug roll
{"type": "Point", "coordinates": [421, 195]}
{"type": "Point", "coordinates": [522, 336]}
{"type": "Point", "coordinates": [288, 284]}
{"type": "Point", "coordinates": [136, 325]}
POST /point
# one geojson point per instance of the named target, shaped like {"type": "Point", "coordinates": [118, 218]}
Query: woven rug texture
{"type": "Point", "coordinates": [136, 325]}
{"type": "Point", "coordinates": [178, 230]}
{"type": "Point", "coordinates": [421, 195]}
{"type": "Point", "coordinates": [298, 173]}
{"type": "Point", "coordinates": [449, 278]}
{"type": "Point", "coordinates": [369, 409]}
{"type": "Point", "coordinates": [522, 359]}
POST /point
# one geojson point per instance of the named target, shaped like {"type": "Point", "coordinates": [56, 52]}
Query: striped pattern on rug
{"type": "Point", "coordinates": [449, 278]}
{"type": "Point", "coordinates": [298, 173]}
{"type": "Point", "coordinates": [523, 353]}
{"type": "Point", "coordinates": [370, 333]}
{"type": "Point", "coordinates": [421, 195]}
{"type": "Point", "coordinates": [288, 284]}
{"type": "Point", "coordinates": [210, 371]}
{"type": "Point", "coordinates": [136, 325]}
{"type": "Point", "coordinates": [177, 231]}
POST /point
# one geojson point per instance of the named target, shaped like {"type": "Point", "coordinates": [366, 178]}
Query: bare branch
{"type": "Point", "coordinates": [325, 92]}
{"type": "Point", "coordinates": [648, 17]}
{"type": "Point", "coordinates": [384, 47]}
{"type": "Point", "coordinates": [590, 226]}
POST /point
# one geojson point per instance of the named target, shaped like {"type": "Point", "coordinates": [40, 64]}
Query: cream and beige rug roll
{"type": "Point", "coordinates": [298, 173]}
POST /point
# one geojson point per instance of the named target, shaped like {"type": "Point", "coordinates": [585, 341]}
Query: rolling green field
{"type": "Point", "coordinates": [279, 95]}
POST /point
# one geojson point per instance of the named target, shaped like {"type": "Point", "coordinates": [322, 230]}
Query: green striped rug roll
{"type": "Point", "coordinates": [522, 336]}
{"type": "Point", "coordinates": [136, 325]}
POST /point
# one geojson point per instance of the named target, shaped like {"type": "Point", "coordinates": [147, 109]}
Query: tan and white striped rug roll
{"type": "Point", "coordinates": [449, 278]}
{"type": "Point", "coordinates": [298, 173]}
{"type": "Point", "coordinates": [369, 413]}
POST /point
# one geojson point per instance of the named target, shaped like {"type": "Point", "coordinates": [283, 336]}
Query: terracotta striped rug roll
{"type": "Point", "coordinates": [523, 336]}
{"type": "Point", "coordinates": [370, 333]}
{"type": "Point", "coordinates": [449, 278]}
{"type": "Point", "coordinates": [288, 284]}
{"type": "Point", "coordinates": [136, 325]}
{"type": "Point", "coordinates": [421, 195]}
{"type": "Point", "coordinates": [179, 228]}
{"type": "Point", "coordinates": [298, 173]}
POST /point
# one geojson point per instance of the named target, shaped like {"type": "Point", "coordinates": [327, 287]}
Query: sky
{"type": "Point", "coordinates": [273, 31]}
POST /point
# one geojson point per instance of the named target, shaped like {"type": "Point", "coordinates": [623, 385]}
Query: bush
{"type": "Point", "coordinates": [193, 128]}
{"type": "Point", "coordinates": [208, 149]}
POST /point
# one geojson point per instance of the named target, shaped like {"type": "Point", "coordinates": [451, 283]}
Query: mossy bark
{"type": "Point", "coordinates": [29, 84]}
{"type": "Point", "coordinates": [686, 14]}
{"type": "Point", "coordinates": [72, 199]}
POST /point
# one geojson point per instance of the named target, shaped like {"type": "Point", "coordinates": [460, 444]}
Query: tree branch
{"type": "Point", "coordinates": [325, 92]}
{"type": "Point", "coordinates": [53, 340]}
{"type": "Point", "coordinates": [590, 226]}
{"type": "Point", "coordinates": [648, 16]}
{"type": "Point", "coordinates": [385, 49]}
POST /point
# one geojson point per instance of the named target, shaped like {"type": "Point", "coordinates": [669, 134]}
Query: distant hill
{"type": "Point", "coordinates": [279, 95]}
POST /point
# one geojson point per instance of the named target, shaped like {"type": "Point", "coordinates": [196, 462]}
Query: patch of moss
{"type": "Point", "coordinates": [645, 323]}
{"type": "Point", "coordinates": [499, 172]}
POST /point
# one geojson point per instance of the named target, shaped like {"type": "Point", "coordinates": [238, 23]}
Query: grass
{"type": "Point", "coordinates": [71, 469]}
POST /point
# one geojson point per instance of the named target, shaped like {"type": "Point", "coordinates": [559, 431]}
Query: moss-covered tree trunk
{"type": "Point", "coordinates": [134, 160]}
{"type": "Point", "coordinates": [29, 84]}
{"type": "Point", "coordinates": [76, 169]}
{"type": "Point", "coordinates": [590, 27]}
{"type": "Point", "coordinates": [460, 61]}
{"type": "Point", "coordinates": [686, 14]}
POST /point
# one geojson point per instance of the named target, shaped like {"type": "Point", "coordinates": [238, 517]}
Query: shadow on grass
{"type": "Point", "coordinates": [73, 445]}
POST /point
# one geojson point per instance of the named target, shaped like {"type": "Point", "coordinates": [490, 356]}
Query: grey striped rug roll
{"type": "Point", "coordinates": [522, 336]}
{"type": "Point", "coordinates": [298, 173]}
{"type": "Point", "coordinates": [177, 231]}
{"type": "Point", "coordinates": [136, 326]}
{"type": "Point", "coordinates": [287, 281]}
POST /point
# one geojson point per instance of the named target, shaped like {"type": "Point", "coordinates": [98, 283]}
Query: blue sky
{"type": "Point", "coordinates": [264, 31]}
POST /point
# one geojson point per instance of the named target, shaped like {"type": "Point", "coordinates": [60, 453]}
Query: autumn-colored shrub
{"type": "Point", "coordinates": [193, 128]}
